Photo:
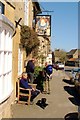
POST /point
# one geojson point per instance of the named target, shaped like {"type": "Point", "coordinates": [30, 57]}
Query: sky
{"type": "Point", "coordinates": [64, 24]}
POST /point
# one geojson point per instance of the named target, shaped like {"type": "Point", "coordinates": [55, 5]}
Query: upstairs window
{"type": "Point", "coordinates": [2, 8]}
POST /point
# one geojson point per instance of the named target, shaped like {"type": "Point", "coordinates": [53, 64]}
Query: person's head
{"type": "Point", "coordinates": [33, 60]}
{"type": "Point", "coordinates": [46, 64]}
{"type": "Point", "coordinates": [24, 75]}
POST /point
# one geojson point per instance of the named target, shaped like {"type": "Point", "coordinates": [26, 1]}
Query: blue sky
{"type": "Point", "coordinates": [64, 24]}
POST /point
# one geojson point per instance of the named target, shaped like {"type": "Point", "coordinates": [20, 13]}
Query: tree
{"type": "Point", "coordinates": [61, 54]}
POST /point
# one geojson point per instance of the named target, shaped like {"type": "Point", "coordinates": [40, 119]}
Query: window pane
{"type": "Point", "coordinates": [0, 39]}
{"type": "Point", "coordinates": [20, 57]}
{"type": "Point", "coordinates": [1, 87]}
{"type": "Point", "coordinates": [1, 62]}
{"type": "Point", "coordinates": [1, 8]}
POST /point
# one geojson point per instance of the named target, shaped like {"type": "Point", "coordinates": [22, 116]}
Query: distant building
{"type": "Point", "coordinates": [44, 50]}
{"type": "Point", "coordinates": [73, 57]}
{"type": "Point", "coordinates": [53, 58]}
{"type": "Point", "coordinates": [71, 53]}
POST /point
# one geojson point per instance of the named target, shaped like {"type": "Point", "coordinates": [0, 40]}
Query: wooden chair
{"type": "Point", "coordinates": [26, 94]}
{"type": "Point", "coordinates": [33, 85]}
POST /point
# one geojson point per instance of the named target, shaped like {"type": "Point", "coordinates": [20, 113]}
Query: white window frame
{"type": "Point", "coordinates": [5, 64]}
{"type": "Point", "coordinates": [20, 59]}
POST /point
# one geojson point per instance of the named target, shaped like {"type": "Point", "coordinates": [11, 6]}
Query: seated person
{"type": "Point", "coordinates": [24, 84]}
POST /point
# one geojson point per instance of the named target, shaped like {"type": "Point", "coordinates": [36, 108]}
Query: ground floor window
{"type": "Point", "coordinates": [20, 58]}
{"type": "Point", "coordinates": [2, 8]}
{"type": "Point", "coordinates": [5, 64]}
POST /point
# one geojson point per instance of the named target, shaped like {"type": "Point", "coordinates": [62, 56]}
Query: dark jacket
{"type": "Point", "coordinates": [30, 67]}
{"type": "Point", "coordinates": [24, 84]}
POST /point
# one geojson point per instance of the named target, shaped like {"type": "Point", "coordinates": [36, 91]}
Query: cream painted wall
{"type": "Point", "coordinates": [75, 55]}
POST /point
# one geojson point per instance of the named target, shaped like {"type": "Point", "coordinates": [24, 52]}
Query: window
{"type": "Point", "coordinates": [1, 8]}
{"type": "Point", "coordinates": [5, 64]}
{"type": "Point", "coordinates": [20, 57]}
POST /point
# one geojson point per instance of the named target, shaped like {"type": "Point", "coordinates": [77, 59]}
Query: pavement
{"type": "Point", "coordinates": [61, 103]}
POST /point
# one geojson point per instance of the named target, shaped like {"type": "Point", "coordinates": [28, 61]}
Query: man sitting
{"type": "Point", "coordinates": [24, 84]}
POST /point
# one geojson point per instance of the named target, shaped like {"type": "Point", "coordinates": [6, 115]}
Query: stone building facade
{"type": "Point", "coordinates": [44, 51]}
{"type": "Point", "coordinates": [12, 52]}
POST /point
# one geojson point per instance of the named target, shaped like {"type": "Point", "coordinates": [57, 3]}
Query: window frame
{"type": "Point", "coordinates": [6, 87]}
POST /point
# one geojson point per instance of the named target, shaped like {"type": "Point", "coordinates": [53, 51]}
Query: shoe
{"type": "Point", "coordinates": [44, 92]}
{"type": "Point", "coordinates": [48, 92]}
{"type": "Point", "coordinates": [38, 102]}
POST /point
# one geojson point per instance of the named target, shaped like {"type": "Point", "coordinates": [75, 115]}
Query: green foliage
{"type": "Point", "coordinates": [29, 38]}
{"type": "Point", "coordinates": [25, 34]}
{"type": "Point", "coordinates": [37, 69]}
{"type": "Point", "coordinates": [61, 54]}
{"type": "Point", "coordinates": [35, 52]}
{"type": "Point", "coordinates": [38, 78]}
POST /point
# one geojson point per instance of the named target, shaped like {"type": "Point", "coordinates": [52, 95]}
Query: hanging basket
{"type": "Point", "coordinates": [29, 38]}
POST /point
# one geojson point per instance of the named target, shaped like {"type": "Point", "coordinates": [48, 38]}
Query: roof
{"type": "Point", "coordinates": [71, 52]}
{"type": "Point", "coordinates": [72, 59]}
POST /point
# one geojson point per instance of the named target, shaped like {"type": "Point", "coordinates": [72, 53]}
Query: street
{"type": "Point", "coordinates": [33, 35]}
{"type": "Point", "coordinates": [62, 102]}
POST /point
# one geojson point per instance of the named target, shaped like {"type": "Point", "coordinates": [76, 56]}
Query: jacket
{"type": "Point", "coordinates": [30, 67]}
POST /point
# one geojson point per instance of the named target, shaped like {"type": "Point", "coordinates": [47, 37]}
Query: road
{"type": "Point", "coordinates": [62, 101]}
{"type": "Point", "coordinates": [69, 68]}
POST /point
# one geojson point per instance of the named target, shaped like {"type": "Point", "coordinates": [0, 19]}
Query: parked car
{"type": "Point", "coordinates": [77, 83]}
{"type": "Point", "coordinates": [75, 74]}
{"type": "Point", "coordinates": [60, 66]}
{"type": "Point", "coordinates": [55, 66]}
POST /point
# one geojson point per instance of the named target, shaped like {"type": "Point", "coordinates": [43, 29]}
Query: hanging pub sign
{"type": "Point", "coordinates": [43, 25]}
